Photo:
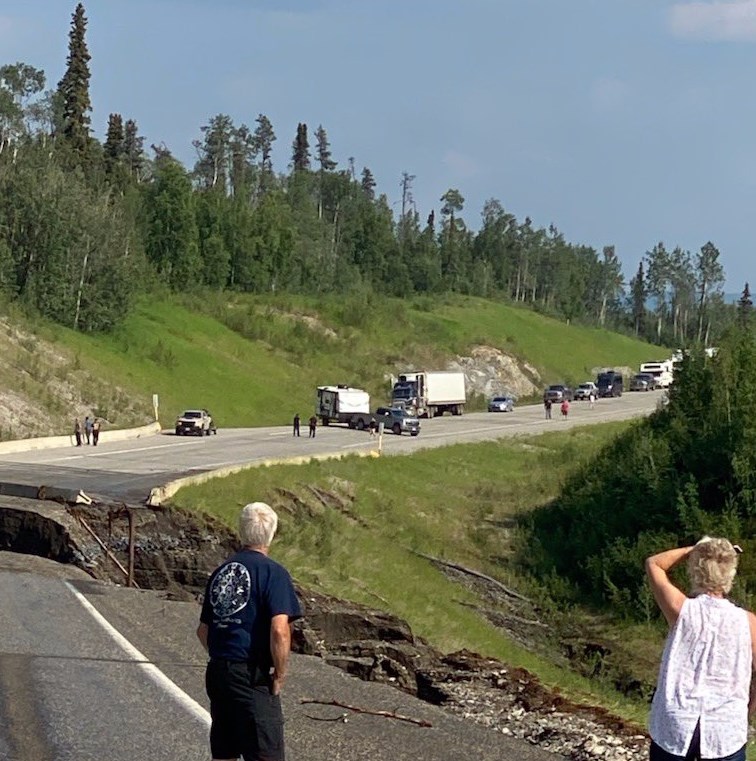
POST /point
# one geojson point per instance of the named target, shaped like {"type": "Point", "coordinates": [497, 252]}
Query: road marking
{"type": "Point", "coordinates": [150, 669]}
{"type": "Point", "coordinates": [107, 452]}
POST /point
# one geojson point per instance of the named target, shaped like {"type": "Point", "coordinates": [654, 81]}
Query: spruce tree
{"type": "Point", "coordinates": [74, 87]}
{"type": "Point", "coordinates": [133, 149]}
{"type": "Point", "coordinates": [327, 164]}
{"type": "Point", "coordinates": [745, 307]}
{"type": "Point", "coordinates": [115, 144]}
{"type": "Point", "coordinates": [638, 294]}
{"type": "Point", "coordinates": [301, 149]}
{"type": "Point", "coordinates": [368, 183]}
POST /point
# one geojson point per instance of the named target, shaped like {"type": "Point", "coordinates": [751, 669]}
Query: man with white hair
{"type": "Point", "coordinates": [245, 627]}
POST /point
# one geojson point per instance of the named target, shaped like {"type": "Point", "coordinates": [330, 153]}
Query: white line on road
{"type": "Point", "coordinates": [152, 671]}
{"type": "Point", "coordinates": [108, 452]}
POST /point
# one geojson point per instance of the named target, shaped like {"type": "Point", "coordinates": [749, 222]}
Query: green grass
{"type": "Point", "coordinates": [451, 502]}
{"type": "Point", "coordinates": [256, 360]}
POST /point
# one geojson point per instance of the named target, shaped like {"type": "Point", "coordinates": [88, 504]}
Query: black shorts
{"type": "Point", "coordinates": [247, 720]}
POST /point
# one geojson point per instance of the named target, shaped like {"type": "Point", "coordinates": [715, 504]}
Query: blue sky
{"type": "Point", "coordinates": [620, 121]}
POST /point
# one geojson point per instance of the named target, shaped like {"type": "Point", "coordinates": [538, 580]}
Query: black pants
{"type": "Point", "coordinates": [247, 720]}
{"type": "Point", "coordinates": [694, 751]}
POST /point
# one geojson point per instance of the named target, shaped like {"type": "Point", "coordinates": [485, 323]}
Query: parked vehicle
{"type": "Point", "coordinates": [610, 383]}
{"type": "Point", "coordinates": [662, 371]}
{"type": "Point", "coordinates": [394, 419]}
{"type": "Point", "coordinates": [584, 390]}
{"type": "Point", "coordinates": [429, 394]}
{"type": "Point", "coordinates": [195, 423]}
{"type": "Point", "coordinates": [643, 382]}
{"type": "Point", "coordinates": [340, 404]}
{"type": "Point", "coordinates": [501, 404]}
{"type": "Point", "coordinates": [558, 393]}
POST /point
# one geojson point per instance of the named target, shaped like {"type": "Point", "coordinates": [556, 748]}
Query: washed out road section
{"type": "Point", "coordinates": [127, 470]}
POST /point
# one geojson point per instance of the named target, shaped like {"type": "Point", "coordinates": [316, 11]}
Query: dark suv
{"type": "Point", "coordinates": [610, 384]}
{"type": "Point", "coordinates": [558, 393]}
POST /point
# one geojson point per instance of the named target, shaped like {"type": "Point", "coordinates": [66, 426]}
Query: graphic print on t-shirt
{"type": "Point", "coordinates": [230, 590]}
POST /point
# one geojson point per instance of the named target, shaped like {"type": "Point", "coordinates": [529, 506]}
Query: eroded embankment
{"type": "Point", "coordinates": [175, 550]}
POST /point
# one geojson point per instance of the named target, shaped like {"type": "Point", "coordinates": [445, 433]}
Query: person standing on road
{"type": "Point", "coordinates": [77, 432]}
{"type": "Point", "coordinates": [313, 426]}
{"type": "Point", "coordinates": [249, 605]}
{"type": "Point", "coordinates": [591, 400]}
{"type": "Point", "coordinates": [373, 426]}
{"type": "Point", "coordinates": [87, 429]}
{"type": "Point", "coordinates": [705, 690]}
{"type": "Point", "coordinates": [296, 425]}
{"type": "Point", "coordinates": [547, 408]}
{"type": "Point", "coordinates": [565, 408]}
{"type": "Point", "coordinates": [95, 431]}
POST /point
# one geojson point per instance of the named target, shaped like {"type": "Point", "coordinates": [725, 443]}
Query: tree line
{"type": "Point", "coordinates": [85, 226]}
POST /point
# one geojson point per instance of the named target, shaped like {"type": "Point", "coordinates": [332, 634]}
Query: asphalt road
{"type": "Point", "coordinates": [70, 692]}
{"type": "Point", "coordinates": [127, 470]}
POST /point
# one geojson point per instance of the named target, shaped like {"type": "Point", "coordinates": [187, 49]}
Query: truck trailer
{"type": "Point", "coordinates": [340, 404]}
{"type": "Point", "coordinates": [430, 393]}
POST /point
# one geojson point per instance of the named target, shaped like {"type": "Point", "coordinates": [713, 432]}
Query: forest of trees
{"type": "Point", "coordinates": [688, 470]}
{"type": "Point", "coordinates": [85, 226]}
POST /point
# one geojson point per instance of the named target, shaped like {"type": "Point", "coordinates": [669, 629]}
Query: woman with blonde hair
{"type": "Point", "coordinates": [703, 697]}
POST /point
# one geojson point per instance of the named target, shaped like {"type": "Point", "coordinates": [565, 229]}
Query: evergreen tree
{"type": "Point", "coordinates": [300, 157]}
{"type": "Point", "coordinates": [327, 164]}
{"type": "Point", "coordinates": [745, 308]}
{"type": "Point", "coordinates": [638, 294]}
{"type": "Point", "coordinates": [133, 150]}
{"type": "Point", "coordinates": [74, 87]}
{"type": "Point", "coordinates": [114, 148]}
{"type": "Point", "coordinates": [368, 183]}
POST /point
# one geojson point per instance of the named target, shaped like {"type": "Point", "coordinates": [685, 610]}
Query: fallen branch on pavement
{"type": "Point", "coordinates": [368, 711]}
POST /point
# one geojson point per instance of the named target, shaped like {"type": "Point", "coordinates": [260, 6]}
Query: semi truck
{"type": "Point", "coordinates": [430, 393]}
{"type": "Point", "coordinates": [340, 404]}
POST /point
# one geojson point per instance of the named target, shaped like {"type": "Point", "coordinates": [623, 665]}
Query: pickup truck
{"type": "Point", "coordinates": [394, 419]}
{"type": "Point", "coordinates": [195, 422]}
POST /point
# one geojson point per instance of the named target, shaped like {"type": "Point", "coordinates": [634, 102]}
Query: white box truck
{"type": "Point", "coordinates": [430, 393]}
{"type": "Point", "coordinates": [339, 404]}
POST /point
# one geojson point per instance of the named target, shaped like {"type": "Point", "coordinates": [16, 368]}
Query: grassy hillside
{"type": "Point", "coordinates": [256, 361]}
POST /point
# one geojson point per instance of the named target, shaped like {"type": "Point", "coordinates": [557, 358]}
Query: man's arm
{"type": "Point", "coordinates": [280, 646]}
{"type": "Point", "coordinates": [669, 598]}
{"type": "Point", "coordinates": [202, 631]}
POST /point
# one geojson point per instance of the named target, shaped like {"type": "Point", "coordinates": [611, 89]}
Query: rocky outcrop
{"type": "Point", "coordinates": [490, 371]}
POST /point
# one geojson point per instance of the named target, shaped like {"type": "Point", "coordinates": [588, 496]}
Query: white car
{"type": "Point", "coordinates": [584, 390]}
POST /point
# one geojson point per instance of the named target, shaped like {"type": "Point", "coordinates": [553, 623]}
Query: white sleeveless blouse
{"type": "Point", "coordinates": [705, 675]}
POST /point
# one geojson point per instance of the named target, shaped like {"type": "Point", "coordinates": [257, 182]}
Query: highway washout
{"type": "Point", "coordinates": [175, 550]}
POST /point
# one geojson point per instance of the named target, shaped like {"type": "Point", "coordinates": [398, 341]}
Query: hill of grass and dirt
{"type": "Point", "coordinates": [257, 360]}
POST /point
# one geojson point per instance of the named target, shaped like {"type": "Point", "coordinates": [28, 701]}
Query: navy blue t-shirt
{"type": "Point", "coordinates": [241, 598]}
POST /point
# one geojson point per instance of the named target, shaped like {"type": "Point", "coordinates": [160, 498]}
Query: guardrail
{"type": "Point", "coordinates": [53, 442]}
